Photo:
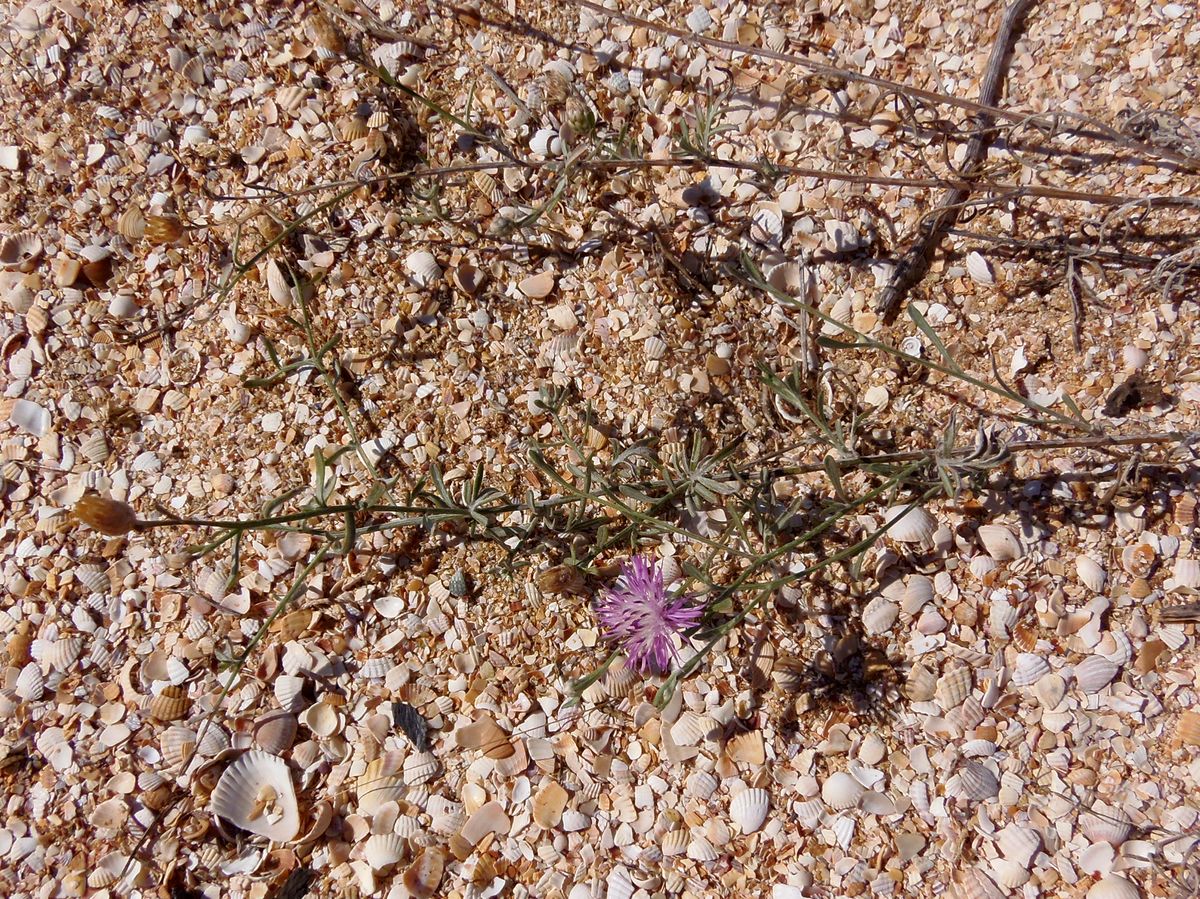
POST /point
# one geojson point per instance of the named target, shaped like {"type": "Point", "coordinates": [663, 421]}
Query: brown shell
{"type": "Point", "coordinates": [172, 704]}
{"type": "Point", "coordinates": [163, 229]}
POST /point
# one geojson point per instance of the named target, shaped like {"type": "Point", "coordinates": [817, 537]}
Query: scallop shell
{"type": "Point", "coordinates": [95, 448]}
{"type": "Point", "coordinates": [1095, 673]}
{"type": "Point", "coordinates": [1113, 886]}
{"type": "Point", "coordinates": [748, 809]}
{"type": "Point", "coordinates": [275, 731]}
{"type": "Point", "coordinates": [914, 526]}
{"type": "Point", "coordinates": [917, 592]}
{"type": "Point", "coordinates": [213, 741]}
{"type": "Point", "coordinates": [841, 791]}
{"type": "Point", "coordinates": [1029, 668]}
{"type": "Point", "coordinates": [109, 869]}
{"type": "Point", "coordinates": [383, 850]}
{"type": "Point", "coordinates": [1000, 542]}
{"type": "Point", "coordinates": [423, 267]}
{"type": "Point", "coordinates": [953, 687]}
{"type": "Point", "coordinates": [1106, 825]}
{"type": "Point", "coordinates": [255, 793]}
{"type": "Point", "coordinates": [62, 653]}
{"type": "Point", "coordinates": [983, 565]}
{"type": "Point", "coordinates": [766, 226]}
{"type": "Point", "coordinates": [289, 690]}
{"type": "Point", "coordinates": [701, 850]}
{"type": "Point", "coordinates": [1091, 573]}
{"type": "Point", "coordinates": [1019, 843]}
{"type": "Point", "coordinates": [19, 249]}
{"type": "Point", "coordinates": [177, 743]}
{"type": "Point", "coordinates": [692, 728]}
{"type": "Point", "coordinates": [419, 768]}
{"type": "Point", "coordinates": [675, 842]}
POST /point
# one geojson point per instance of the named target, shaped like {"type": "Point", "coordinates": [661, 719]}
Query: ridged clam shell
{"type": "Point", "coordinates": [1019, 843]}
{"type": "Point", "coordinates": [30, 683]}
{"type": "Point", "coordinates": [374, 791]}
{"type": "Point", "coordinates": [977, 782]}
{"type": "Point", "coordinates": [62, 653]}
{"type": "Point", "coordinates": [419, 768]}
{"type": "Point", "coordinates": [692, 728]}
{"type": "Point", "coordinates": [914, 526]}
{"type": "Point", "coordinates": [748, 809]}
{"type": "Point", "coordinates": [701, 850]}
{"type": "Point", "coordinates": [1029, 668]}
{"type": "Point", "coordinates": [289, 691]}
{"type": "Point", "coordinates": [879, 615]}
{"type": "Point", "coordinates": [977, 885]}
{"type": "Point", "coordinates": [95, 448]}
{"type": "Point", "coordinates": [1000, 542]}
{"type": "Point", "coordinates": [383, 850]}
{"type": "Point", "coordinates": [1009, 874]}
{"type": "Point", "coordinates": [841, 791]}
{"type": "Point", "coordinates": [1091, 573]}
{"type": "Point", "coordinates": [109, 869]}
{"type": "Point", "coordinates": [1106, 825]}
{"type": "Point", "coordinates": [983, 565]}
{"type": "Point", "coordinates": [675, 842]}
{"type": "Point", "coordinates": [1116, 647]}
{"type": "Point", "coordinates": [917, 592]}
{"type": "Point", "coordinates": [171, 704]}
{"type": "Point", "coordinates": [423, 267]}
{"type": "Point", "coordinates": [702, 784]}
{"type": "Point", "coordinates": [213, 741]}
{"type": "Point", "coordinates": [1095, 673]}
{"type": "Point", "coordinates": [810, 813]}
{"type": "Point", "coordinates": [953, 687]}
{"type": "Point", "coordinates": [766, 226]}
{"type": "Point", "coordinates": [255, 793]}
{"type": "Point", "coordinates": [275, 731]}
{"type": "Point", "coordinates": [1113, 886]}
{"type": "Point", "coordinates": [921, 684]}
{"type": "Point", "coordinates": [176, 744]}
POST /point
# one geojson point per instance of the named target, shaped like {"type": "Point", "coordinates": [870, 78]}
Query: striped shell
{"type": "Point", "coordinates": [914, 526]}
{"type": "Point", "coordinates": [1095, 673]}
{"type": "Point", "coordinates": [1000, 542]}
{"type": "Point", "coordinates": [748, 809]}
{"type": "Point", "coordinates": [841, 791]}
{"type": "Point", "coordinates": [255, 793]}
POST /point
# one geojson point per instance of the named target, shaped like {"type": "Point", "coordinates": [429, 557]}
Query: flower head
{"type": "Point", "coordinates": [639, 614]}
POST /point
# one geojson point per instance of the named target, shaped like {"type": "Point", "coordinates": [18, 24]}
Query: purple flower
{"type": "Point", "coordinates": [638, 613]}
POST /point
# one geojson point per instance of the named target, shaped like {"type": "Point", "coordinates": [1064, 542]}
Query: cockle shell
{"type": "Point", "coordinates": [953, 687]}
{"type": "Point", "coordinates": [701, 850]}
{"type": "Point", "coordinates": [841, 791]}
{"type": "Point", "coordinates": [419, 768]}
{"type": "Point", "coordinates": [702, 784]}
{"type": "Point", "coordinates": [977, 885]}
{"type": "Point", "coordinates": [255, 793]}
{"type": "Point", "coordinates": [921, 684]}
{"type": "Point", "coordinates": [1094, 673]}
{"type": "Point", "coordinates": [748, 809]}
{"type": "Point", "coordinates": [917, 592]}
{"type": "Point", "coordinates": [977, 782]}
{"type": "Point", "coordinates": [171, 704]}
{"type": "Point", "coordinates": [1186, 573]}
{"type": "Point", "coordinates": [321, 718]}
{"type": "Point", "coordinates": [279, 286]}
{"type": "Point", "coordinates": [1029, 668]}
{"type": "Point", "coordinates": [423, 267]}
{"type": "Point", "coordinates": [675, 842]}
{"type": "Point", "coordinates": [1009, 874]}
{"type": "Point", "coordinates": [1019, 843]}
{"type": "Point", "coordinates": [383, 850]}
{"type": "Point", "coordinates": [1106, 825]}
{"type": "Point", "coordinates": [914, 526]}
{"type": "Point", "coordinates": [19, 249]}
{"type": "Point", "coordinates": [879, 615]}
{"type": "Point", "coordinates": [1091, 573]}
{"type": "Point", "coordinates": [30, 683]}
{"type": "Point", "coordinates": [999, 542]}
{"type": "Point", "coordinates": [1113, 886]}
{"type": "Point", "coordinates": [289, 691]}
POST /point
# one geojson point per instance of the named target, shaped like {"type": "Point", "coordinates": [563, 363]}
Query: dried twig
{"type": "Point", "coordinates": [913, 265]}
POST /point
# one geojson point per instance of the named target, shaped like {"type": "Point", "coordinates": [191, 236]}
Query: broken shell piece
{"type": "Point", "coordinates": [489, 818]}
{"type": "Point", "coordinates": [841, 791]}
{"type": "Point", "coordinates": [548, 805]}
{"type": "Point", "coordinates": [999, 542]}
{"type": "Point", "coordinates": [879, 615]}
{"type": "Point", "coordinates": [702, 784]}
{"type": "Point", "coordinates": [19, 249]}
{"type": "Point", "coordinates": [468, 278]}
{"type": "Point", "coordinates": [419, 768]}
{"type": "Point", "coordinates": [487, 736]}
{"type": "Point", "coordinates": [1019, 844]}
{"type": "Point", "coordinates": [162, 229]}
{"type": "Point", "coordinates": [1029, 669]}
{"type": "Point", "coordinates": [1187, 573]}
{"type": "Point", "coordinates": [537, 286]}
{"type": "Point", "coordinates": [1009, 874]}
{"type": "Point", "coordinates": [255, 793]}
{"type": "Point", "coordinates": [953, 687]}
{"type": "Point", "coordinates": [1091, 573]}
{"type": "Point", "coordinates": [977, 782]}
{"type": "Point", "coordinates": [1139, 560]}
{"type": "Point", "coordinates": [748, 809]}
{"type": "Point", "coordinates": [422, 877]}
{"type": "Point", "coordinates": [914, 526]}
{"type": "Point", "coordinates": [321, 718]}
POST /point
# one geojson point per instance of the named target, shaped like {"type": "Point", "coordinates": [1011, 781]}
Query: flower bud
{"type": "Point", "coordinates": [108, 516]}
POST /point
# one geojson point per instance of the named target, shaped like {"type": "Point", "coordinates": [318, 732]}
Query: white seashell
{"type": "Point", "coordinates": [62, 653]}
{"type": "Point", "coordinates": [701, 850]}
{"type": "Point", "coordinates": [419, 768]}
{"type": "Point", "coordinates": [1009, 874]}
{"type": "Point", "coordinates": [954, 687]}
{"type": "Point", "coordinates": [109, 870]}
{"type": "Point", "coordinates": [1187, 573]}
{"type": "Point", "coordinates": [675, 842]}
{"type": "Point", "coordinates": [879, 615]}
{"type": "Point", "coordinates": [1019, 843]}
{"type": "Point", "coordinates": [574, 821]}
{"type": "Point", "coordinates": [30, 417]}
{"type": "Point", "coordinates": [1114, 886]}
{"type": "Point", "coordinates": [546, 142]}
{"type": "Point", "coordinates": [983, 565]}
{"type": "Point", "coordinates": [692, 728]}
{"type": "Point", "coordinates": [766, 226]}
{"type": "Point", "coordinates": [383, 850]}
{"type": "Point", "coordinates": [655, 347]}
{"type": "Point", "coordinates": [177, 743]}
{"type": "Point", "coordinates": [978, 748]}
{"type": "Point", "coordinates": [423, 267]}
{"type": "Point", "coordinates": [917, 592]}
{"type": "Point", "coordinates": [977, 782]}
{"type": "Point", "coordinates": [1001, 617]}
{"type": "Point", "coordinates": [213, 741]}
{"type": "Point", "coordinates": [810, 813]}
{"type": "Point", "coordinates": [289, 691]}
{"type": "Point", "coordinates": [974, 884]}
{"type": "Point", "coordinates": [841, 791]}
{"type": "Point", "coordinates": [699, 20]}
{"type": "Point", "coordinates": [1000, 543]}
{"type": "Point", "coordinates": [30, 684]}
{"type": "Point", "coordinates": [321, 718]}
{"type": "Point", "coordinates": [748, 809]}
{"type": "Point", "coordinates": [619, 886]}
{"type": "Point", "coordinates": [921, 684]}
{"type": "Point", "coordinates": [1106, 825]}
{"type": "Point", "coordinates": [255, 793]}
{"type": "Point", "coordinates": [278, 285]}
{"type": "Point", "coordinates": [914, 526]}
{"type": "Point", "coordinates": [843, 830]}
{"type": "Point", "coordinates": [1095, 673]}
{"type": "Point", "coordinates": [1091, 573]}
{"type": "Point", "coordinates": [95, 448]}
{"type": "Point", "coordinates": [1029, 669]}
{"type": "Point", "coordinates": [702, 784]}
